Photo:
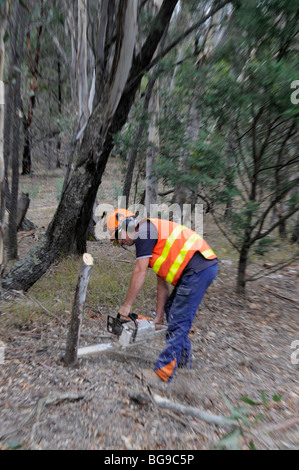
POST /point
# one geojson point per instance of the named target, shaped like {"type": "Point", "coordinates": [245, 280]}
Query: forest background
{"type": "Point", "coordinates": [159, 102]}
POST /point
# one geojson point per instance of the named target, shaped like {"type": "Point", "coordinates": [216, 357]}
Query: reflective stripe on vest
{"type": "Point", "coordinates": [180, 259]}
{"type": "Point", "coordinates": [174, 249]}
{"type": "Point", "coordinates": [170, 241]}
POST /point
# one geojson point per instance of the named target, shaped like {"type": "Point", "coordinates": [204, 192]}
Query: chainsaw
{"type": "Point", "coordinates": [129, 331]}
{"type": "Point", "coordinates": [135, 329]}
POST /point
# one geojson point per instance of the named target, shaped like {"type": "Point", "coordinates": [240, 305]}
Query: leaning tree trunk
{"type": "Point", "coordinates": [69, 225]}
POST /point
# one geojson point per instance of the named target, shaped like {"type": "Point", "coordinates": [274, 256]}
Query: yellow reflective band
{"type": "Point", "coordinates": [208, 253]}
{"type": "Point", "coordinates": [180, 258]}
{"type": "Point", "coordinates": [170, 241]}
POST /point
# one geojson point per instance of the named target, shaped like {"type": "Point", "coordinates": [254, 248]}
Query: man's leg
{"type": "Point", "coordinates": [183, 308]}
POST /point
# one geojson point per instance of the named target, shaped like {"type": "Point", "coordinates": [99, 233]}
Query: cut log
{"type": "Point", "coordinates": [202, 415]}
{"type": "Point", "coordinates": [71, 355]}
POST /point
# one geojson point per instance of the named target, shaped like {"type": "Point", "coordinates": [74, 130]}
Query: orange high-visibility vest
{"type": "Point", "coordinates": [174, 249]}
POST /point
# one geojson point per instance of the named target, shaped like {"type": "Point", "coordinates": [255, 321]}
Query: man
{"type": "Point", "coordinates": [179, 256]}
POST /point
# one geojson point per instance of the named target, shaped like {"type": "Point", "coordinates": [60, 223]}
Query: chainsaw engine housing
{"type": "Point", "coordinates": [134, 330]}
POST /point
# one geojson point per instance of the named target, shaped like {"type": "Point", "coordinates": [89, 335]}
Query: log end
{"type": "Point", "coordinates": [88, 259]}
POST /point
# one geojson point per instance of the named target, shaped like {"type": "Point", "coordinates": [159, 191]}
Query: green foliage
{"type": "Point", "coordinates": [124, 140]}
{"type": "Point", "coordinates": [242, 95]}
{"type": "Point", "coordinates": [265, 245]}
{"type": "Point", "coordinates": [246, 420]}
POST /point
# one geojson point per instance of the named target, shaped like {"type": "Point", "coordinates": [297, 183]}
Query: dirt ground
{"type": "Point", "coordinates": [241, 348]}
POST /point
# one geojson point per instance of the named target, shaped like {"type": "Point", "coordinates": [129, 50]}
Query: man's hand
{"type": "Point", "coordinates": [158, 324]}
{"type": "Point", "coordinates": [125, 310]}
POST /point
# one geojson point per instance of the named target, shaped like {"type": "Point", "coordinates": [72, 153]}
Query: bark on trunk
{"type": "Point", "coordinates": [73, 338]}
{"type": "Point", "coordinates": [27, 121]}
{"type": "Point", "coordinates": [12, 248]}
{"type": "Point", "coordinates": [242, 266]}
{"type": "Point", "coordinates": [134, 151]}
{"type": "Point", "coordinates": [4, 10]}
{"type": "Point", "coordinates": [82, 63]}
{"type": "Point", "coordinates": [151, 195]}
{"type": "Point", "coordinates": [295, 234]}
{"type": "Point", "coordinates": [23, 206]}
{"type": "Point", "coordinates": [8, 119]}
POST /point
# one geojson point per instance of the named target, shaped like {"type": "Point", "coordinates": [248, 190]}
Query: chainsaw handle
{"type": "Point", "coordinates": [134, 318]}
{"type": "Point", "coordinates": [131, 316]}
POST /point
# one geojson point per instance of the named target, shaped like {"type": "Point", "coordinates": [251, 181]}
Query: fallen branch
{"type": "Point", "coordinates": [164, 403]}
{"type": "Point", "coordinates": [283, 297]}
{"type": "Point", "coordinates": [209, 418]}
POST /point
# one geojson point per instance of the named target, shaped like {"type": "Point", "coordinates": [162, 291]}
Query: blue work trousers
{"type": "Point", "coordinates": [180, 309]}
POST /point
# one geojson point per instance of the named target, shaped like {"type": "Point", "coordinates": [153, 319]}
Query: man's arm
{"type": "Point", "coordinates": [137, 281]}
{"type": "Point", "coordinates": [162, 296]}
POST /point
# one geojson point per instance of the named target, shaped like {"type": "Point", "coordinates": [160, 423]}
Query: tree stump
{"type": "Point", "coordinates": [71, 355]}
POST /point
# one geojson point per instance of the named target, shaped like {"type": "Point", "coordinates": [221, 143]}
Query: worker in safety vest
{"type": "Point", "coordinates": [179, 256]}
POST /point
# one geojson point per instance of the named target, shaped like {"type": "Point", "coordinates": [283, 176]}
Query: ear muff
{"type": "Point", "coordinates": [129, 224]}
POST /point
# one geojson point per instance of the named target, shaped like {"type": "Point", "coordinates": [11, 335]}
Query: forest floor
{"type": "Point", "coordinates": [241, 348]}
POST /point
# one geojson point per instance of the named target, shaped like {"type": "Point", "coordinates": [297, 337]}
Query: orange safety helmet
{"type": "Point", "coordinates": [115, 221]}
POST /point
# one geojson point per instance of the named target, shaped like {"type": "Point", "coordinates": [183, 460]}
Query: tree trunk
{"type": "Point", "coordinates": [151, 190]}
{"type": "Point", "coordinates": [77, 312]}
{"type": "Point", "coordinates": [183, 194]}
{"type": "Point", "coordinates": [138, 137]}
{"type": "Point", "coordinates": [151, 194]}
{"type": "Point", "coordinates": [4, 10]}
{"type": "Point", "coordinates": [23, 206]}
{"type": "Point", "coordinates": [82, 63]}
{"type": "Point", "coordinates": [27, 121]}
{"type": "Point", "coordinates": [242, 266]}
{"type": "Point", "coordinates": [69, 225]}
{"type": "Point", "coordinates": [295, 233]}
{"type": "Point", "coordinates": [12, 249]}
{"type": "Point", "coordinates": [58, 164]}
{"type": "Point", "coordinates": [8, 121]}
